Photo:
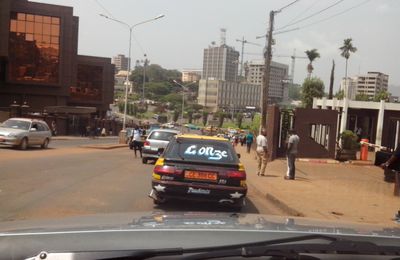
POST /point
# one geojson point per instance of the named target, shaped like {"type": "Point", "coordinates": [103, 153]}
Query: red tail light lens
{"type": "Point", "coordinates": [237, 175]}
{"type": "Point", "coordinates": [147, 143]}
{"type": "Point", "coordinates": [166, 170]}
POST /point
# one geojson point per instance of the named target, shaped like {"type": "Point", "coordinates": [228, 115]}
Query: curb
{"type": "Point", "coordinates": [331, 161]}
{"type": "Point", "coordinates": [104, 147]}
{"type": "Point", "coordinates": [326, 161]}
{"type": "Point", "coordinates": [278, 203]}
{"type": "Point", "coordinates": [284, 207]}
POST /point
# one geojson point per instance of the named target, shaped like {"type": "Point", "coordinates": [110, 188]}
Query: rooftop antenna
{"type": "Point", "coordinates": [223, 36]}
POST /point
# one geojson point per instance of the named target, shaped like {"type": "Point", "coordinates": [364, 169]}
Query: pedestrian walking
{"type": "Point", "coordinates": [137, 144]}
{"type": "Point", "coordinates": [262, 152]}
{"type": "Point", "coordinates": [390, 164]}
{"type": "Point", "coordinates": [249, 141]}
{"type": "Point", "coordinates": [53, 128]}
{"type": "Point", "coordinates": [291, 154]}
{"type": "Point", "coordinates": [242, 139]}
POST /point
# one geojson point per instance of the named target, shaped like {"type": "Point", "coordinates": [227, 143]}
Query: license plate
{"type": "Point", "coordinates": [195, 175]}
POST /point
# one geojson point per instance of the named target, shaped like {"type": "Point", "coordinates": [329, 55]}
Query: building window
{"type": "Point", "coordinates": [34, 48]}
{"type": "Point", "coordinates": [320, 134]}
{"type": "Point", "coordinates": [89, 83]}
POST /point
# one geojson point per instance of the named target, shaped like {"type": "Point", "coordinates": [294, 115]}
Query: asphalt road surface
{"type": "Point", "coordinates": [67, 180]}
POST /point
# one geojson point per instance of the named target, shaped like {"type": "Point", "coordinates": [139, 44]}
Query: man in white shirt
{"type": "Point", "coordinates": [137, 144]}
{"type": "Point", "coordinates": [291, 154]}
{"type": "Point", "coordinates": [262, 152]}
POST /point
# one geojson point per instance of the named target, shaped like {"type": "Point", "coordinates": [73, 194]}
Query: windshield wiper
{"type": "Point", "coordinates": [287, 248]}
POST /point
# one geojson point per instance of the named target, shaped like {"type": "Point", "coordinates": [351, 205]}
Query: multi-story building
{"type": "Point", "coordinates": [120, 62]}
{"type": "Point", "coordinates": [219, 94]}
{"type": "Point", "coordinates": [220, 62]}
{"type": "Point", "coordinates": [40, 69]}
{"type": "Point", "coordinates": [278, 87]}
{"type": "Point", "coordinates": [191, 75]}
{"type": "Point", "coordinates": [369, 84]}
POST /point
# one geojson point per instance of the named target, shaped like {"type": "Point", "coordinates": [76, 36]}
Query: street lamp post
{"type": "Point", "coordinates": [130, 27]}
{"type": "Point", "coordinates": [183, 97]}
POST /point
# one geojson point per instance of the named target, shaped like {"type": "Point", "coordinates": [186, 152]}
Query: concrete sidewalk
{"type": "Point", "coordinates": [325, 191]}
{"type": "Point", "coordinates": [67, 137]}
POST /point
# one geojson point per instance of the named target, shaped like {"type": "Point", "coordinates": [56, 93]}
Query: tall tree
{"type": "Point", "coordinates": [346, 49]}
{"type": "Point", "coordinates": [239, 119]}
{"type": "Point", "coordinates": [332, 79]}
{"type": "Point", "coordinates": [382, 95]}
{"type": "Point", "coordinates": [205, 117]}
{"type": "Point", "coordinates": [312, 55]}
{"type": "Point", "coordinates": [312, 88]}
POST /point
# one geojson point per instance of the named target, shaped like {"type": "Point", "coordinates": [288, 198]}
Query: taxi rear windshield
{"type": "Point", "coordinates": [201, 151]}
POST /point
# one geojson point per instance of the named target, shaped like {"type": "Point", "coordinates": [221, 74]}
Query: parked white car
{"type": "Point", "coordinates": [24, 132]}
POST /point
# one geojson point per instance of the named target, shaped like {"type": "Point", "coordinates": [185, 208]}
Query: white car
{"type": "Point", "coordinates": [24, 132]}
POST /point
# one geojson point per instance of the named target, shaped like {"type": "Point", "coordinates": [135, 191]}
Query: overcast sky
{"type": "Point", "coordinates": [177, 40]}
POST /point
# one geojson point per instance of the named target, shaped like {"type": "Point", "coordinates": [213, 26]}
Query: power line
{"type": "Point", "coordinates": [104, 9]}
{"type": "Point", "coordinates": [332, 16]}
{"type": "Point", "coordinates": [311, 15]}
{"type": "Point", "coordinates": [286, 6]}
{"type": "Point", "coordinates": [304, 11]}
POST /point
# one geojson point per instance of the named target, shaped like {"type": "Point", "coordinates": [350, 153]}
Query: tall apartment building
{"type": "Point", "coordinates": [191, 75]}
{"type": "Point", "coordinates": [120, 62]}
{"type": "Point", "coordinates": [219, 94]}
{"type": "Point", "coordinates": [278, 88]}
{"type": "Point", "coordinates": [369, 84]}
{"type": "Point", "coordinates": [220, 62]}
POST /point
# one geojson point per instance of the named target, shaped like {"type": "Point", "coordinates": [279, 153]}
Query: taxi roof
{"type": "Point", "coordinates": [201, 137]}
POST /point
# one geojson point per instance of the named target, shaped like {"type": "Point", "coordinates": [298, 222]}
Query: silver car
{"type": "Point", "coordinates": [23, 132]}
{"type": "Point", "coordinates": [156, 141]}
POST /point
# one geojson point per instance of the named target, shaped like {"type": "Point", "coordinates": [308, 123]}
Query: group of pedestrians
{"type": "Point", "coordinates": [291, 153]}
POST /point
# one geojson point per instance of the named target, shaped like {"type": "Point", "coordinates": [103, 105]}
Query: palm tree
{"type": "Point", "coordinates": [312, 55]}
{"type": "Point", "coordinates": [346, 49]}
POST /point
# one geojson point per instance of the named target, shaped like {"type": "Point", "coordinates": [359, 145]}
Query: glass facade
{"type": "Point", "coordinates": [89, 83]}
{"type": "Point", "coordinates": [34, 48]}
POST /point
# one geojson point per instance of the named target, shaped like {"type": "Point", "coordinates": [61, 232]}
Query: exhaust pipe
{"type": "Point", "coordinates": [153, 195]}
{"type": "Point", "coordinates": [226, 202]}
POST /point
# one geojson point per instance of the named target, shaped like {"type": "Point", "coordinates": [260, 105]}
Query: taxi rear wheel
{"type": "Point", "coordinates": [238, 206]}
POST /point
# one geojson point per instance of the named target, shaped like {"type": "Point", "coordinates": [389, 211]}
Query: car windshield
{"type": "Point", "coordinates": [210, 151]}
{"type": "Point", "coordinates": [17, 124]}
{"type": "Point", "coordinates": [161, 135]}
{"type": "Point", "coordinates": [283, 110]}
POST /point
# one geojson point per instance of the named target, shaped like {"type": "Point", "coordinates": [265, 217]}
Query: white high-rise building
{"type": "Point", "coordinates": [278, 87]}
{"type": "Point", "coordinates": [369, 84]}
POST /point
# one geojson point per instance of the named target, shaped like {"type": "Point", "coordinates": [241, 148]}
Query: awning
{"type": "Point", "coordinates": [70, 110]}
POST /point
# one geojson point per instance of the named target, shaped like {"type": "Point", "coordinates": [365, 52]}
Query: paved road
{"type": "Point", "coordinates": [82, 141]}
{"type": "Point", "coordinates": [68, 180]}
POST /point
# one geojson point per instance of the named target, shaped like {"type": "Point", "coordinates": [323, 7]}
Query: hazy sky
{"type": "Point", "coordinates": [177, 40]}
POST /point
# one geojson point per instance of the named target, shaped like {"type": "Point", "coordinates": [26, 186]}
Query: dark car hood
{"type": "Point", "coordinates": [197, 221]}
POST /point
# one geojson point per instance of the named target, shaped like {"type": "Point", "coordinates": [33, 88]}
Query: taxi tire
{"type": "Point", "coordinates": [238, 206]}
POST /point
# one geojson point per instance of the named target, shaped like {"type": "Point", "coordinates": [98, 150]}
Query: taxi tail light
{"type": "Point", "coordinates": [237, 175]}
{"type": "Point", "coordinates": [147, 143]}
{"type": "Point", "coordinates": [166, 170]}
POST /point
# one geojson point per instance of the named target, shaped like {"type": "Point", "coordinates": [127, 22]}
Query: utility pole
{"type": "Point", "coordinates": [267, 69]}
{"type": "Point", "coordinates": [243, 41]}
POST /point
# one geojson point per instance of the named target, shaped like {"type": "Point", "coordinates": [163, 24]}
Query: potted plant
{"type": "Point", "coordinates": [348, 147]}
